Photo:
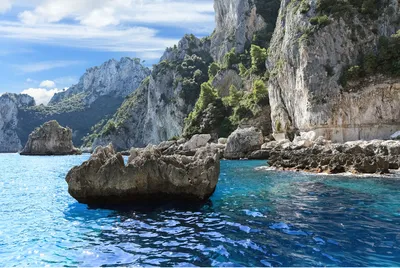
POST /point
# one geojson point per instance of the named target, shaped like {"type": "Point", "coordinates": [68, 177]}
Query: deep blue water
{"type": "Point", "coordinates": [255, 218]}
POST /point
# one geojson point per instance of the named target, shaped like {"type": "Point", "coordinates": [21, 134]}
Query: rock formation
{"type": "Point", "coordinates": [149, 175]}
{"type": "Point", "coordinates": [50, 139]}
{"type": "Point", "coordinates": [10, 104]}
{"type": "Point", "coordinates": [113, 78]}
{"type": "Point", "coordinates": [243, 142]}
{"type": "Point", "coordinates": [99, 93]}
{"type": "Point", "coordinates": [157, 110]}
{"type": "Point", "coordinates": [319, 155]}
{"type": "Point", "coordinates": [239, 21]}
{"type": "Point", "coordinates": [314, 44]}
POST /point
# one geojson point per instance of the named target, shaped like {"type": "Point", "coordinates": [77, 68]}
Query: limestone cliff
{"type": "Point", "coordinates": [97, 96]}
{"type": "Point", "coordinates": [314, 46]}
{"type": "Point", "coordinates": [156, 111]}
{"type": "Point", "coordinates": [113, 78]}
{"type": "Point", "coordinates": [50, 139]}
{"type": "Point", "coordinates": [241, 22]}
{"type": "Point", "coordinates": [9, 108]}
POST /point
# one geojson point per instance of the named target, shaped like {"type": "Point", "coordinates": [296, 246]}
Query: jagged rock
{"type": "Point", "coordinates": [10, 104]}
{"type": "Point", "coordinates": [243, 142]}
{"type": "Point", "coordinates": [157, 110]}
{"type": "Point", "coordinates": [259, 155]}
{"type": "Point", "coordinates": [113, 78]}
{"type": "Point", "coordinates": [149, 175]}
{"type": "Point", "coordinates": [50, 139]}
{"type": "Point", "coordinates": [375, 156]}
{"type": "Point", "coordinates": [197, 141]}
{"type": "Point", "coordinates": [307, 64]}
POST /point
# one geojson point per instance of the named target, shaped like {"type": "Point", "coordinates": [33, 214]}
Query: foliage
{"type": "Point", "coordinates": [230, 59]}
{"type": "Point", "coordinates": [213, 69]}
{"type": "Point", "coordinates": [260, 91]}
{"type": "Point", "coordinates": [385, 61]}
{"type": "Point", "coordinates": [258, 58]}
{"type": "Point", "coordinates": [320, 21]}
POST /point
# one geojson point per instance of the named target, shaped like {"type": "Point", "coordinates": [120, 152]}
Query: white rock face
{"type": "Point", "coordinates": [236, 23]}
{"type": "Point", "coordinates": [304, 87]}
{"type": "Point", "coordinates": [242, 142]}
{"type": "Point", "coordinates": [157, 110]}
{"type": "Point", "coordinates": [9, 105]}
{"type": "Point", "coordinates": [112, 78]}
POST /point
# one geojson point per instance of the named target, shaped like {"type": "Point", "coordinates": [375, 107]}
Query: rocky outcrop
{"type": "Point", "coordinates": [50, 139]}
{"type": "Point", "coordinates": [113, 78]}
{"type": "Point", "coordinates": [149, 175]}
{"type": "Point", "coordinates": [320, 155]}
{"type": "Point", "coordinates": [157, 110]}
{"type": "Point", "coordinates": [10, 104]}
{"type": "Point", "coordinates": [314, 43]}
{"type": "Point", "coordinates": [242, 142]}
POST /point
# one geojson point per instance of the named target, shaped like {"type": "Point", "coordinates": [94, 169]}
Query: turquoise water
{"type": "Point", "coordinates": [255, 218]}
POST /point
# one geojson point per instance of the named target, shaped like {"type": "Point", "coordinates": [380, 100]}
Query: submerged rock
{"type": "Point", "coordinates": [50, 139]}
{"type": "Point", "coordinates": [243, 142]}
{"type": "Point", "coordinates": [149, 175]}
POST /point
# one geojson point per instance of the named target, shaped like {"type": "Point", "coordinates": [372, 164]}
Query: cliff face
{"type": "Point", "coordinates": [9, 108]}
{"type": "Point", "coordinates": [50, 139]}
{"type": "Point", "coordinates": [237, 23]}
{"type": "Point", "coordinates": [113, 78]}
{"type": "Point", "coordinates": [156, 111]}
{"type": "Point", "coordinates": [314, 44]}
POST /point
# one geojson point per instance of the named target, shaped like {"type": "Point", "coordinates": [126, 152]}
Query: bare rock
{"type": "Point", "coordinates": [50, 139]}
{"type": "Point", "coordinates": [149, 175]}
{"type": "Point", "coordinates": [242, 142]}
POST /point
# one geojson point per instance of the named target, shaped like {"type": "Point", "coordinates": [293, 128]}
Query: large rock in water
{"type": "Point", "coordinates": [243, 142]}
{"type": "Point", "coordinates": [50, 139]}
{"type": "Point", "coordinates": [149, 175]}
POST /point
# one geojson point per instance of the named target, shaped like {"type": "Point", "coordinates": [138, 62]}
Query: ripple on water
{"type": "Point", "coordinates": [257, 217]}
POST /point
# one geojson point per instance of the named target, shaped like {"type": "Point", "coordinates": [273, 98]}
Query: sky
{"type": "Point", "coordinates": [46, 45]}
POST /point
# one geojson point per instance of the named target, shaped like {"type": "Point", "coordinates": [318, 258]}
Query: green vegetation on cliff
{"type": "Point", "coordinates": [385, 60]}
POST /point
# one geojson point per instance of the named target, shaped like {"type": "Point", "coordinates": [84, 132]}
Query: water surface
{"type": "Point", "coordinates": [255, 218]}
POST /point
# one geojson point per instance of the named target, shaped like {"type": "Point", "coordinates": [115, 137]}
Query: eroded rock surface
{"type": "Point", "coordinates": [242, 142]}
{"type": "Point", "coordinates": [50, 139]}
{"type": "Point", "coordinates": [376, 156]}
{"type": "Point", "coordinates": [149, 175]}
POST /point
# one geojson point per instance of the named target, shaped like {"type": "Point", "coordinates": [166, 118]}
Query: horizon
{"type": "Point", "coordinates": [45, 49]}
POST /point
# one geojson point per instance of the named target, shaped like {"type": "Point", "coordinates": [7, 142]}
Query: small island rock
{"type": "Point", "coordinates": [50, 139]}
{"type": "Point", "coordinates": [150, 175]}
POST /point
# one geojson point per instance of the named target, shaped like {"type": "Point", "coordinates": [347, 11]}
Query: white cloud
{"type": "Point", "coordinates": [44, 66]}
{"type": "Point", "coordinates": [5, 5]}
{"type": "Point", "coordinates": [136, 39]}
{"type": "Point", "coordinates": [47, 84]}
{"type": "Point", "coordinates": [41, 95]}
{"type": "Point", "coordinates": [100, 13]}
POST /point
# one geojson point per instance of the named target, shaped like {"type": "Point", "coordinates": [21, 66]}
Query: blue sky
{"type": "Point", "coordinates": [46, 45]}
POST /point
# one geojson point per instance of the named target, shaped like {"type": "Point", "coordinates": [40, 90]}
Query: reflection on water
{"type": "Point", "coordinates": [255, 218]}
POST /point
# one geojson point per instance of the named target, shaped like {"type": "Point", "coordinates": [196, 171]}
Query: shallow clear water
{"type": "Point", "coordinates": [255, 218]}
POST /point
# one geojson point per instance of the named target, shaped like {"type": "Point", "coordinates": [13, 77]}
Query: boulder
{"type": "Point", "coordinates": [222, 140]}
{"type": "Point", "coordinates": [197, 141]}
{"type": "Point", "coordinates": [243, 142]}
{"type": "Point", "coordinates": [149, 175]}
{"type": "Point", "coordinates": [50, 139]}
